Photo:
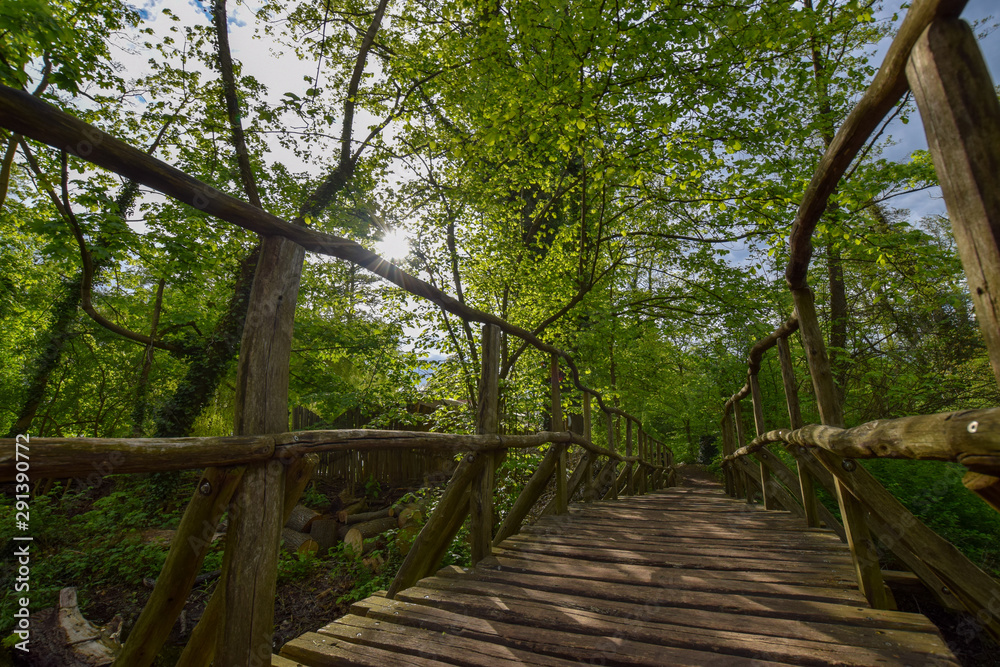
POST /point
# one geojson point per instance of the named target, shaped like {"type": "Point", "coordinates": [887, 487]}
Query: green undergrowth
{"type": "Point", "coordinates": [934, 493]}
{"type": "Point", "coordinates": [94, 538]}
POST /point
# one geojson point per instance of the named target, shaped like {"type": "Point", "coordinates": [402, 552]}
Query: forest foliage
{"type": "Point", "coordinates": [619, 179]}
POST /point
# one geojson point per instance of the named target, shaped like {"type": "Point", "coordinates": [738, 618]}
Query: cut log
{"type": "Point", "coordinates": [369, 528]}
{"type": "Point", "coordinates": [354, 508]}
{"type": "Point", "coordinates": [405, 537]}
{"type": "Point", "coordinates": [360, 545]}
{"type": "Point", "coordinates": [301, 518]}
{"type": "Point", "coordinates": [368, 516]}
{"type": "Point", "coordinates": [409, 516]}
{"type": "Point", "coordinates": [324, 532]}
{"type": "Point", "coordinates": [65, 637]}
{"type": "Point", "coordinates": [297, 542]}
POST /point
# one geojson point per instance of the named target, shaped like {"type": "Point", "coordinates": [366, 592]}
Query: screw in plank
{"type": "Point", "coordinates": [849, 465]}
{"type": "Point", "coordinates": [972, 427]}
{"type": "Point", "coordinates": [205, 488]}
{"type": "Point", "coordinates": [946, 590]}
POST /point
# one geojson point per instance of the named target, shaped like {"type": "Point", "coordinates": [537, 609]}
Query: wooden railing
{"type": "Point", "coordinates": [293, 456]}
{"type": "Point", "coordinates": [937, 57]}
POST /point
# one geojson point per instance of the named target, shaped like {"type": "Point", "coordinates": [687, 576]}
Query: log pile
{"type": "Point", "coordinates": [309, 531]}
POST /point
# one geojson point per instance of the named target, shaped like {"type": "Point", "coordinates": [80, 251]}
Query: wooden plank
{"type": "Point", "coordinates": [452, 649]}
{"type": "Point", "coordinates": [452, 592]}
{"type": "Point", "coordinates": [986, 487]}
{"type": "Point", "coordinates": [669, 549]}
{"type": "Point", "coordinates": [614, 647]}
{"type": "Point", "coordinates": [575, 480]}
{"type": "Point", "coordinates": [961, 115]}
{"type": "Point", "coordinates": [571, 593]}
{"type": "Point", "coordinates": [645, 558]}
{"type": "Point", "coordinates": [187, 552]}
{"type": "Point", "coordinates": [543, 563]}
{"type": "Point", "coordinates": [694, 536]}
{"type": "Point", "coordinates": [822, 587]}
{"type": "Point", "coordinates": [318, 650]}
{"type": "Point", "coordinates": [200, 648]}
{"type": "Point", "coordinates": [740, 442]}
{"type": "Point", "coordinates": [588, 473]}
{"type": "Point", "coordinates": [975, 589]}
{"type": "Point", "coordinates": [643, 623]}
{"type": "Point", "coordinates": [278, 661]}
{"type": "Point", "coordinates": [261, 407]}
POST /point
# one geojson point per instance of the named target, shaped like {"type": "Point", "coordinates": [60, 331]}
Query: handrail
{"type": "Point", "coordinates": [80, 457]}
{"type": "Point", "coordinates": [937, 56]}
{"type": "Point", "coordinates": [888, 86]}
{"type": "Point", "coordinates": [969, 437]}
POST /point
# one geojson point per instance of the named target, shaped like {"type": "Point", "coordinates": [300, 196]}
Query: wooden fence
{"type": "Point", "coordinates": [469, 494]}
{"type": "Point", "coordinates": [936, 56]}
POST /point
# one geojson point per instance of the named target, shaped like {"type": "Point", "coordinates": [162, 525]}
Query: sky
{"type": "Point", "coordinates": [911, 137]}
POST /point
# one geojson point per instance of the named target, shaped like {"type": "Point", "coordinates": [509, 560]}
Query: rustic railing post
{"type": "Point", "coordinates": [758, 421]}
{"type": "Point", "coordinates": [562, 502]}
{"type": "Point", "coordinates": [613, 446]}
{"type": "Point", "coordinates": [187, 553]}
{"type": "Point", "coordinates": [588, 473]}
{"type": "Point", "coordinates": [961, 116]}
{"type": "Point", "coordinates": [859, 538]}
{"type": "Point", "coordinates": [643, 456]}
{"type": "Point", "coordinates": [741, 441]}
{"type": "Point", "coordinates": [481, 497]}
{"type": "Point", "coordinates": [261, 407]}
{"type": "Point", "coordinates": [200, 649]}
{"type": "Point", "coordinates": [807, 484]}
{"type": "Point", "coordinates": [529, 495]}
{"type": "Point", "coordinates": [730, 446]}
{"type": "Point", "coordinates": [630, 487]}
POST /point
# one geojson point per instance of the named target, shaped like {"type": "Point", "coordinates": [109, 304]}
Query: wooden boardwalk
{"type": "Point", "coordinates": [683, 576]}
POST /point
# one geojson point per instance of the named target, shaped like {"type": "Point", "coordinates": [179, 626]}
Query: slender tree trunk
{"type": "Point", "coordinates": [838, 319]}
{"type": "Point", "coordinates": [47, 361]}
{"type": "Point", "coordinates": [142, 387]}
{"type": "Point", "coordinates": [210, 362]}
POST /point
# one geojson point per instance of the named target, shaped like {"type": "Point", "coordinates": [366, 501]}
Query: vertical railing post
{"type": "Point", "coordinates": [758, 421]}
{"type": "Point", "coordinates": [644, 454]}
{"type": "Point", "coordinates": [562, 502]}
{"type": "Point", "coordinates": [481, 496]}
{"type": "Point", "coordinates": [741, 441]}
{"type": "Point", "coordinates": [588, 472]}
{"type": "Point", "coordinates": [961, 116]}
{"type": "Point", "coordinates": [629, 485]}
{"type": "Point", "coordinates": [807, 483]}
{"type": "Point", "coordinates": [859, 538]}
{"type": "Point", "coordinates": [613, 446]}
{"type": "Point", "coordinates": [261, 407]}
{"type": "Point", "coordinates": [729, 474]}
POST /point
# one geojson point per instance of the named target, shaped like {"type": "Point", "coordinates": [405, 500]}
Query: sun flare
{"type": "Point", "coordinates": [395, 244]}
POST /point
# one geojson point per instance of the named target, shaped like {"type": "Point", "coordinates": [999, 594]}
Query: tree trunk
{"type": "Point", "coordinates": [47, 361]}
{"type": "Point", "coordinates": [142, 387]}
{"type": "Point", "coordinates": [838, 320]}
{"type": "Point", "coordinates": [210, 362]}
